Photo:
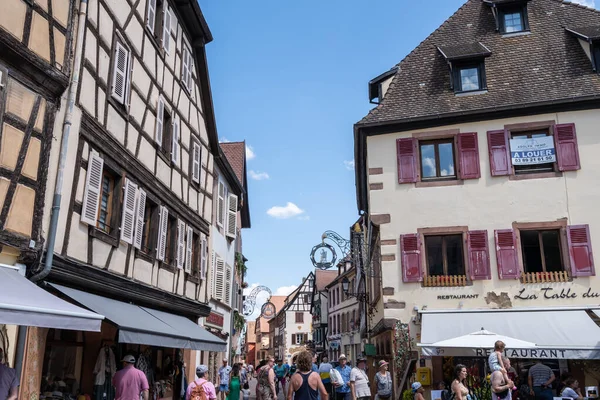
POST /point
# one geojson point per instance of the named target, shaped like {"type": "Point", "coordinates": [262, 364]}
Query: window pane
{"type": "Point", "coordinates": [428, 160]}
{"type": "Point", "coordinates": [446, 159]}
{"type": "Point", "coordinates": [551, 241]}
{"type": "Point", "coordinates": [513, 22]}
{"type": "Point", "coordinates": [435, 257]}
{"type": "Point", "coordinates": [469, 78]}
{"type": "Point", "coordinates": [454, 254]}
{"type": "Point", "coordinates": [530, 245]}
{"type": "Point", "coordinates": [105, 203]}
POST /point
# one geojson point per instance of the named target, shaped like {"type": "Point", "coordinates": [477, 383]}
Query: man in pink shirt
{"type": "Point", "coordinates": [130, 382]}
{"type": "Point", "coordinates": [209, 388]}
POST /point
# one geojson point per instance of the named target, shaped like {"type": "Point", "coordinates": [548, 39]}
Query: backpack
{"type": "Point", "coordinates": [198, 392]}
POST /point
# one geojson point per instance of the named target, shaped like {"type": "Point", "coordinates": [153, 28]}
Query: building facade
{"type": "Point", "coordinates": [319, 310]}
{"type": "Point", "coordinates": [481, 187]}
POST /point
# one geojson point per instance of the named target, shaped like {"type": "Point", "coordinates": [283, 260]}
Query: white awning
{"type": "Point", "coordinates": [140, 325]}
{"type": "Point", "coordinates": [558, 334]}
{"type": "Point", "coordinates": [23, 303]}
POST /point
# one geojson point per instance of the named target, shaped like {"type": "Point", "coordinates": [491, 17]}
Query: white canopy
{"type": "Point", "coordinates": [485, 340]}
{"type": "Point", "coordinates": [22, 302]}
{"type": "Point", "coordinates": [558, 333]}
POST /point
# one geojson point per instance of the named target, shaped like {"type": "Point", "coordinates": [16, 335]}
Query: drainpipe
{"type": "Point", "coordinates": [65, 144]}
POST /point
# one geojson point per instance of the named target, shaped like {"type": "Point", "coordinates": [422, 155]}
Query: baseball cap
{"type": "Point", "coordinates": [201, 369]}
{"type": "Point", "coordinates": [128, 359]}
{"type": "Point", "coordinates": [415, 386]}
{"type": "Point", "coordinates": [342, 356]}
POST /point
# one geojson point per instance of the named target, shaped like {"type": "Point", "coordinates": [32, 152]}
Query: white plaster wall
{"type": "Point", "coordinates": [486, 203]}
{"type": "Point", "coordinates": [292, 327]}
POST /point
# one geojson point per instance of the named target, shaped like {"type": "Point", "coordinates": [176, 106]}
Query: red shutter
{"type": "Point", "coordinates": [506, 254]}
{"type": "Point", "coordinates": [479, 255]}
{"type": "Point", "coordinates": [580, 250]}
{"type": "Point", "coordinates": [407, 160]}
{"type": "Point", "coordinates": [468, 156]}
{"type": "Point", "coordinates": [567, 152]}
{"type": "Point", "coordinates": [410, 247]}
{"type": "Point", "coordinates": [499, 154]}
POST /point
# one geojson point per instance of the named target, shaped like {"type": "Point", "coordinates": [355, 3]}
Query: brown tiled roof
{"type": "Point", "coordinates": [324, 278]}
{"type": "Point", "coordinates": [278, 301]}
{"type": "Point", "coordinates": [589, 32]}
{"type": "Point", "coordinates": [236, 155]}
{"type": "Point", "coordinates": [546, 65]}
{"type": "Point", "coordinates": [466, 50]}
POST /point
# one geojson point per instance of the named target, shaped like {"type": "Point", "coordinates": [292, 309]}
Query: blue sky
{"type": "Point", "coordinates": [290, 78]}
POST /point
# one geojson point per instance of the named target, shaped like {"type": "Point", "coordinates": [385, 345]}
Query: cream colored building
{"type": "Point", "coordinates": [478, 170]}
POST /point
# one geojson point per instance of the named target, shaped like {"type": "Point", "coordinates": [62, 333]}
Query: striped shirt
{"type": "Point", "coordinates": [540, 374]}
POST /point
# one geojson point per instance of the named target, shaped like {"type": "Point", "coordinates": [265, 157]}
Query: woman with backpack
{"type": "Point", "coordinates": [201, 389]}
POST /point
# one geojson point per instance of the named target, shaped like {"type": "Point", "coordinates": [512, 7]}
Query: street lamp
{"type": "Point", "coordinates": [362, 297]}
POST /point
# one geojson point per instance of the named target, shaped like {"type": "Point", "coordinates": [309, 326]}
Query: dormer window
{"type": "Point", "coordinates": [589, 40]}
{"type": "Point", "coordinates": [510, 15]}
{"type": "Point", "coordinates": [467, 66]}
{"type": "Point", "coordinates": [379, 85]}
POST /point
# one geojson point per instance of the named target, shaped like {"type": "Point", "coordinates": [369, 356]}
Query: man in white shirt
{"type": "Point", "coordinates": [359, 381]}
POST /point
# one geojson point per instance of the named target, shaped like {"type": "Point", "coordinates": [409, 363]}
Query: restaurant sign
{"type": "Point", "coordinates": [215, 319]}
{"type": "Point", "coordinates": [537, 353]}
{"type": "Point", "coordinates": [531, 151]}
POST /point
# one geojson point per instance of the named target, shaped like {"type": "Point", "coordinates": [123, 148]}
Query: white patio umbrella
{"type": "Point", "coordinates": [483, 339]}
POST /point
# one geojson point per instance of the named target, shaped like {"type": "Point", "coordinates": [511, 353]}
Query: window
{"type": "Point", "coordinates": [444, 255]}
{"type": "Point", "coordinates": [469, 77]}
{"type": "Point", "coordinates": [541, 250]}
{"type": "Point", "coordinates": [299, 318]}
{"type": "Point", "coordinates": [166, 145]}
{"type": "Point", "coordinates": [306, 299]}
{"type": "Point", "coordinates": [196, 254]}
{"type": "Point", "coordinates": [148, 236]}
{"type": "Point", "coordinates": [106, 202]}
{"type": "Point", "coordinates": [437, 159]}
{"type": "Point", "coordinates": [196, 162]}
{"type": "Point", "coordinates": [120, 72]}
{"type": "Point", "coordinates": [298, 338]}
{"type": "Point", "coordinates": [513, 19]}
{"type": "Point", "coordinates": [541, 165]}
{"type": "Point", "coordinates": [186, 68]}
{"type": "Point", "coordinates": [158, 22]}
{"type": "Point", "coordinates": [171, 241]}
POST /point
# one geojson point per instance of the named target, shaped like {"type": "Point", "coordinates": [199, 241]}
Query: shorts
{"type": "Point", "coordinates": [496, 367]}
{"type": "Point", "coordinates": [224, 388]}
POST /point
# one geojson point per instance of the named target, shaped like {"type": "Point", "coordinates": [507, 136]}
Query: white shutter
{"type": "Point", "coordinates": [139, 219]}
{"type": "Point", "coordinates": [151, 17]}
{"type": "Point", "coordinates": [93, 185]}
{"type": "Point", "coordinates": [166, 39]}
{"type": "Point", "coordinates": [203, 258]}
{"type": "Point", "coordinates": [120, 68]}
{"type": "Point", "coordinates": [219, 287]}
{"type": "Point", "coordinates": [220, 204]}
{"type": "Point", "coordinates": [128, 215]}
{"type": "Point", "coordinates": [196, 162]}
{"type": "Point", "coordinates": [189, 250]}
{"type": "Point", "coordinates": [180, 244]}
{"type": "Point", "coordinates": [185, 68]}
{"type": "Point", "coordinates": [175, 141]}
{"type": "Point", "coordinates": [160, 114]}
{"type": "Point", "coordinates": [232, 208]}
{"type": "Point", "coordinates": [227, 295]}
{"type": "Point", "coordinates": [162, 233]}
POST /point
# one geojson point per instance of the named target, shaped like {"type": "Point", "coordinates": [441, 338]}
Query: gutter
{"type": "Point", "coordinates": [64, 145]}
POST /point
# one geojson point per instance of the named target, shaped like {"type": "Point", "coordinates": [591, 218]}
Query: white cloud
{"type": "Point", "coordinates": [304, 218]}
{"type": "Point", "coordinates": [429, 164]}
{"type": "Point", "coordinates": [285, 290]}
{"type": "Point", "coordinates": [349, 165]}
{"type": "Point", "coordinates": [258, 176]}
{"type": "Point", "coordinates": [288, 211]}
{"type": "Point", "coordinates": [225, 140]}
{"type": "Point", "coordinates": [250, 155]}
{"type": "Point", "coordinates": [449, 171]}
{"type": "Point", "coordinates": [587, 3]}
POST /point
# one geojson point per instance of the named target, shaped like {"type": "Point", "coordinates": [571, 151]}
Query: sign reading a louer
{"type": "Point", "coordinates": [539, 150]}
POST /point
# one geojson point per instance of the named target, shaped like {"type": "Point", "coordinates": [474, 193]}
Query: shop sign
{"type": "Point", "coordinates": [457, 296]}
{"type": "Point", "coordinates": [334, 345]}
{"type": "Point", "coordinates": [215, 319]}
{"type": "Point", "coordinates": [538, 150]}
{"type": "Point", "coordinates": [550, 354]}
{"type": "Point", "coordinates": [549, 293]}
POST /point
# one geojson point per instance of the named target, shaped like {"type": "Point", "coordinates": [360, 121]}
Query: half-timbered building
{"type": "Point", "coordinates": [132, 242]}
{"type": "Point", "coordinates": [294, 320]}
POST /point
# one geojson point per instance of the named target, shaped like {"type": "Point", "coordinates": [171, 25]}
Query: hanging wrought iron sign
{"type": "Point", "coordinates": [323, 256]}
{"type": "Point", "coordinates": [267, 310]}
